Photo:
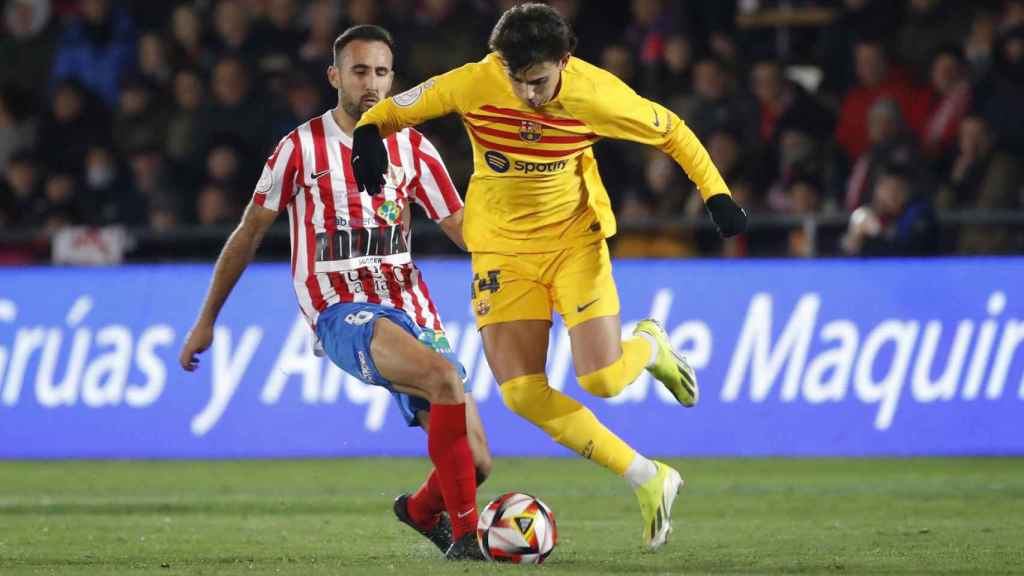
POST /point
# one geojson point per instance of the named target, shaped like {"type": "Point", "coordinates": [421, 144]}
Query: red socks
{"type": "Point", "coordinates": [449, 450]}
{"type": "Point", "coordinates": [427, 502]}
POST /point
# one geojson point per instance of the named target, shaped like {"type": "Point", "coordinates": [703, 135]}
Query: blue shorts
{"type": "Point", "coordinates": [346, 329]}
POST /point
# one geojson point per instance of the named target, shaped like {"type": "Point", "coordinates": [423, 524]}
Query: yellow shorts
{"type": "Point", "coordinates": [576, 282]}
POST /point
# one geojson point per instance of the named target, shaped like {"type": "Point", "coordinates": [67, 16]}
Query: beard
{"type": "Point", "coordinates": [353, 109]}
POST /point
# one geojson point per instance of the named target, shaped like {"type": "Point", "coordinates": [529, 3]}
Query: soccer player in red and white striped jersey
{"type": "Point", "coordinates": [365, 300]}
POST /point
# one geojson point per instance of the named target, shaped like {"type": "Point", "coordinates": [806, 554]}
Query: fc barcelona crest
{"type": "Point", "coordinates": [530, 131]}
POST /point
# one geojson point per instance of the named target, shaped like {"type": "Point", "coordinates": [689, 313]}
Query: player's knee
{"type": "Point", "coordinates": [442, 381]}
{"type": "Point", "coordinates": [519, 394]}
{"type": "Point", "coordinates": [600, 383]}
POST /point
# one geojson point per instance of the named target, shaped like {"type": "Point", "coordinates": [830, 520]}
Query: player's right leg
{"type": "Point", "coordinates": [419, 371]}
{"type": "Point", "coordinates": [586, 296]}
{"type": "Point", "coordinates": [380, 346]}
{"type": "Point", "coordinates": [423, 510]}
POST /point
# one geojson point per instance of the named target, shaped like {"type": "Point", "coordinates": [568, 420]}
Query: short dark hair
{"type": "Point", "coordinates": [368, 32]}
{"type": "Point", "coordinates": [529, 34]}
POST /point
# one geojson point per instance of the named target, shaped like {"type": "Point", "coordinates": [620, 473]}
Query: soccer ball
{"type": "Point", "coordinates": [517, 528]}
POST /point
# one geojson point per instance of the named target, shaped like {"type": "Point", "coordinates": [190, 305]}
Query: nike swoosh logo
{"type": "Point", "coordinates": [657, 121]}
{"type": "Point", "coordinates": [464, 514]}
{"type": "Point", "coordinates": [318, 175]}
{"type": "Point", "coordinates": [582, 307]}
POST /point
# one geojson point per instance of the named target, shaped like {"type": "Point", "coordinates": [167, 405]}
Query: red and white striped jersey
{"type": "Point", "coordinates": [348, 246]}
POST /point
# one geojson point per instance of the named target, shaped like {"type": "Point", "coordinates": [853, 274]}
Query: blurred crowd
{"type": "Point", "coordinates": [885, 113]}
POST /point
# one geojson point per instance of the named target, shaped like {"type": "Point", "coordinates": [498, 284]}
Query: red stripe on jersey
{"type": "Point", "coordinates": [294, 169]}
{"type": "Point", "coordinates": [366, 279]}
{"type": "Point", "coordinates": [293, 218]}
{"type": "Point", "coordinates": [394, 288]}
{"type": "Point", "coordinates": [410, 272]}
{"type": "Point", "coordinates": [521, 150]}
{"type": "Point", "coordinates": [355, 206]}
{"type": "Point", "coordinates": [430, 305]}
{"type": "Point", "coordinates": [311, 282]}
{"type": "Point", "coordinates": [545, 138]}
{"type": "Point", "coordinates": [273, 157]}
{"type": "Point", "coordinates": [326, 189]}
{"type": "Point", "coordinates": [441, 178]}
{"type": "Point", "coordinates": [535, 117]}
{"type": "Point", "coordinates": [315, 296]}
{"type": "Point", "coordinates": [495, 119]}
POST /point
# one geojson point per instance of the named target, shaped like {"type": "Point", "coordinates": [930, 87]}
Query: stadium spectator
{"type": "Point", "coordinates": [982, 178]}
{"type": "Point", "coordinates": [216, 206]}
{"type": "Point", "coordinates": [1000, 94]}
{"type": "Point", "coordinates": [236, 110]}
{"type": "Point", "coordinates": [951, 99]}
{"type": "Point", "coordinates": [673, 77]}
{"type": "Point", "coordinates": [890, 144]}
{"type": "Point", "coordinates": [19, 190]}
{"type": "Point", "coordinates": [185, 124]}
{"type": "Point", "coordinates": [187, 46]}
{"type": "Point", "coordinates": [77, 120]}
{"type": "Point", "coordinates": [857, 19]}
{"type": "Point", "coordinates": [280, 37]}
{"type": "Point", "coordinates": [930, 25]}
{"type": "Point", "coordinates": [139, 117]}
{"type": "Point", "coordinates": [153, 187]}
{"type": "Point", "coordinates": [877, 79]}
{"type": "Point", "coordinates": [233, 35]}
{"type": "Point", "coordinates": [153, 60]}
{"type": "Point", "coordinates": [96, 48]}
{"type": "Point", "coordinates": [782, 102]}
{"type": "Point", "coordinates": [803, 199]}
{"type": "Point", "coordinates": [713, 103]}
{"type": "Point", "coordinates": [60, 204]}
{"type": "Point", "coordinates": [898, 222]}
{"type": "Point", "coordinates": [107, 197]}
{"type": "Point", "coordinates": [322, 18]}
{"type": "Point", "coordinates": [17, 125]}
{"type": "Point", "coordinates": [27, 46]}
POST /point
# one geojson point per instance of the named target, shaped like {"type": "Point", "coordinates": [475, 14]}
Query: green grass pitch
{"type": "Point", "coordinates": [832, 516]}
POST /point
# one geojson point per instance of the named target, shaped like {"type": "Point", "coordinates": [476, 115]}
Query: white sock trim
{"type": "Point", "coordinates": [654, 348]}
{"type": "Point", "coordinates": [640, 470]}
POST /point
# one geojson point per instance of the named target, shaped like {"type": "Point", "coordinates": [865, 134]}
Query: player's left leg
{"type": "Point", "coordinates": [586, 296]}
{"type": "Point", "coordinates": [424, 509]}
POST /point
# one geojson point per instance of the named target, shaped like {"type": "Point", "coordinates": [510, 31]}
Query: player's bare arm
{"type": "Point", "coordinates": [233, 260]}
{"type": "Point", "coordinates": [452, 228]}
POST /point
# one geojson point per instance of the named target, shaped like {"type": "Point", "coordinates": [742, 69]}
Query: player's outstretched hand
{"type": "Point", "coordinates": [198, 340]}
{"type": "Point", "coordinates": [728, 216]}
{"type": "Point", "coordinates": [369, 159]}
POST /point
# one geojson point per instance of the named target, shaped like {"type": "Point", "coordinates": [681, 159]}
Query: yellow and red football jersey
{"type": "Point", "coordinates": [535, 184]}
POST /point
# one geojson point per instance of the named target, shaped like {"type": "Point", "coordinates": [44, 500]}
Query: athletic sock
{"type": "Point", "coordinates": [449, 449]}
{"type": "Point", "coordinates": [427, 502]}
{"type": "Point", "coordinates": [640, 471]}
{"type": "Point", "coordinates": [567, 421]}
{"type": "Point", "coordinates": [611, 379]}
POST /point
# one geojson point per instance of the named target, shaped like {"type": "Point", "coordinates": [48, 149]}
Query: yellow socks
{"type": "Point", "coordinates": [567, 421]}
{"type": "Point", "coordinates": [610, 380]}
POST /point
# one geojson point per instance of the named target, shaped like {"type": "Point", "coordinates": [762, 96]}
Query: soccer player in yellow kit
{"type": "Point", "coordinates": [536, 220]}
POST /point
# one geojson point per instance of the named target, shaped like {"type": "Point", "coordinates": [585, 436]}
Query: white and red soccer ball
{"type": "Point", "coordinates": [517, 528]}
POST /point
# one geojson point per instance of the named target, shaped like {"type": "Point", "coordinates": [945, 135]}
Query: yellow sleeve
{"type": "Point", "coordinates": [614, 110]}
{"type": "Point", "coordinates": [436, 97]}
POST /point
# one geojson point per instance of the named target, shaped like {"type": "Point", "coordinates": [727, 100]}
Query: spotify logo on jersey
{"type": "Point", "coordinates": [497, 161]}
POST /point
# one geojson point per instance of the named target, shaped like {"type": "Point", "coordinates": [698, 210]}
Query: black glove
{"type": "Point", "coordinates": [369, 159]}
{"type": "Point", "coordinates": [727, 215]}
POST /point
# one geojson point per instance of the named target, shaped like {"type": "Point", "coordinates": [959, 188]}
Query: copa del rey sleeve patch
{"type": "Point", "coordinates": [410, 96]}
{"type": "Point", "coordinates": [266, 181]}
